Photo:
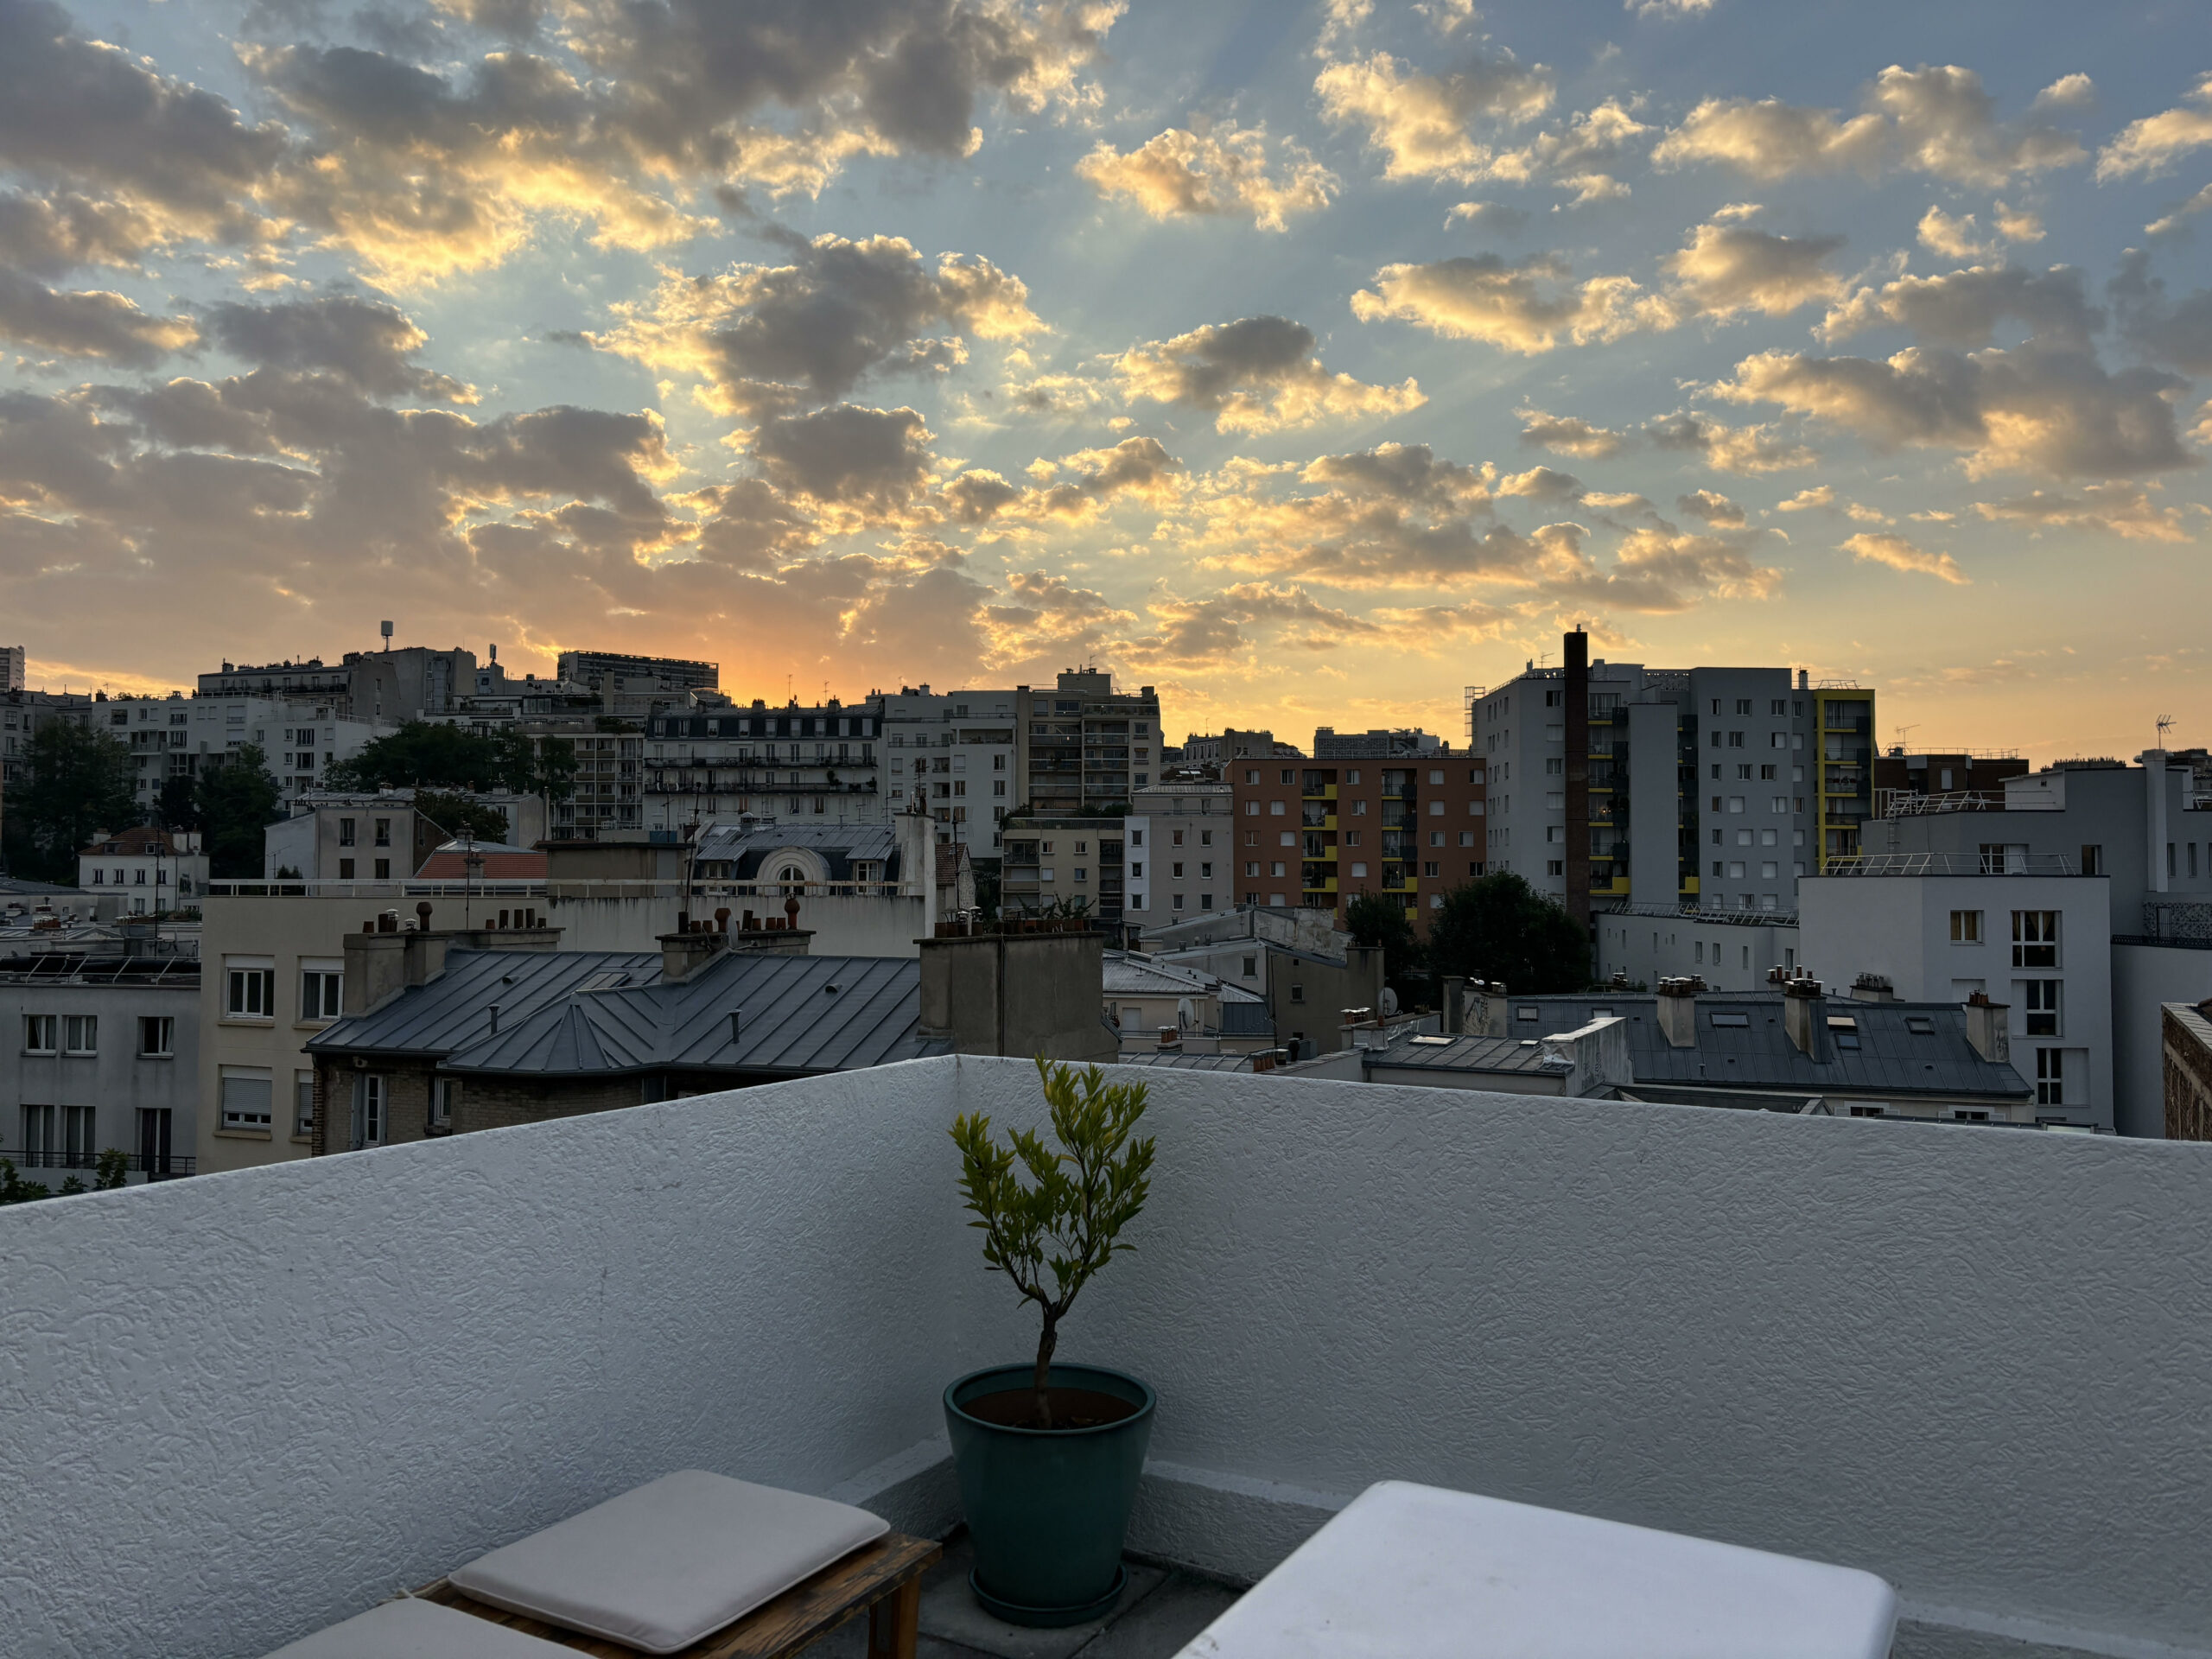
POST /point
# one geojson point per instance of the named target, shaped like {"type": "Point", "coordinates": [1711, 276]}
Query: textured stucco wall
{"type": "Point", "coordinates": [235, 1408]}
{"type": "Point", "coordinates": [1976, 1361]}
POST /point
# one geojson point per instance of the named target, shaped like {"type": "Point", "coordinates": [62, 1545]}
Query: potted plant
{"type": "Point", "coordinates": [1048, 1456]}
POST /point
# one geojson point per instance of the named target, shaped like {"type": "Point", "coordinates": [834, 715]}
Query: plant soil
{"type": "Point", "coordinates": [1071, 1408]}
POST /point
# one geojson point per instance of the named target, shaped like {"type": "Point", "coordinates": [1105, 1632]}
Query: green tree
{"type": "Point", "coordinates": [546, 768]}
{"type": "Point", "coordinates": [238, 800]}
{"type": "Point", "coordinates": [82, 781]}
{"type": "Point", "coordinates": [1501, 928]}
{"type": "Point", "coordinates": [1377, 918]}
{"type": "Point", "coordinates": [1071, 1219]}
{"type": "Point", "coordinates": [422, 755]}
{"type": "Point", "coordinates": [15, 1190]}
{"type": "Point", "coordinates": [459, 816]}
{"type": "Point", "coordinates": [176, 803]}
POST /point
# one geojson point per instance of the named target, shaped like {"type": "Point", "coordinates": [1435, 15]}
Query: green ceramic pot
{"type": "Point", "coordinates": [1047, 1508]}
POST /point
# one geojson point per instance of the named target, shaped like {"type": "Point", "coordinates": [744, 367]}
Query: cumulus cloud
{"type": "Point", "coordinates": [1712, 507]}
{"type": "Point", "coordinates": [1420, 121]}
{"type": "Point", "coordinates": [2122, 510]}
{"type": "Point", "coordinates": [1222, 170]}
{"type": "Point", "coordinates": [775, 339]}
{"type": "Point", "coordinates": [1526, 307]}
{"type": "Point", "coordinates": [1258, 374]}
{"type": "Point", "coordinates": [1743, 449]}
{"type": "Point", "coordinates": [1568, 435]}
{"type": "Point", "coordinates": [1819, 495]}
{"type": "Point", "coordinates": [1488, 215]}
{"type": "Point", "coordinates": [2154, 143]}
{"type": "Point", "coordinates": [1874, 547]}
{"type": "Point", "coordinates": [94, 323]}
{"type": "Point", "coordinates": [1074, 488]}
{"type": "Point", "coordinates": [1934, 120]}
{"type": "Point", "coordinates": [2074, 91]}
{"type": "Point", "coordinates": [2167, 224]}
{"type": "Point", "coordinates": [1578, 156]}
{"type": "Point", "coordinates": [1728, 269]}
{"type": "Point", "coordinates": [1964, 306]}
{"type": "Point", "coordinates": [2178, 332]}
{"type": "Point", "coordinates": [872, 462]}
{"type": "Point", "coordinates": [48, 235]}
{"type": "Point", "coordinates": [2033, 409]}
{"type": "Point", "coordinates": [367, 341]}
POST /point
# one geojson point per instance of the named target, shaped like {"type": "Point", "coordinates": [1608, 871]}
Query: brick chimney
{"type": "Point", "coordinates": [691, 948]}
{"type": "Point", "coordinates": [1988, 1029]}
{"type": "Point", "coordinates": [1805, 1015]}
{"type": "Point", "coordinates": [1678, 1010]}
{"type": "Point", "coordinates": [1023, 993]}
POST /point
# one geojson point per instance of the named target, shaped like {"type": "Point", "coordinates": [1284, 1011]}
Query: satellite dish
{"type": "Point", "coordinates": [1389, 1002]}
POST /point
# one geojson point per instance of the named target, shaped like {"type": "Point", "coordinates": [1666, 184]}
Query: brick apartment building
{"type": "Point", "coordinates": [1318, 834]}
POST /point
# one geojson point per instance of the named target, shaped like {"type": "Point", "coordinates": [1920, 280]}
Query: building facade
{"type": "Point", "coordinates": [12, 666]}
{"type": "Point", "coordinates": [1706, 788]}
{"type": "Point", "coordinates": [1180, 856]}
{"type": "Point", "coordinates": [99, 1051]}
{"type": "Point", "coordinates": [1082, 745]}
{"type": "Point", "coordinates": [1408, 827]}
{"type": "Point", "coordinates": [178, 737]}
{"type": "Point", "coordinates": [2027, 934]}
{"type": "Point", "coordinates": [606, 672]}
{"type": "Point", "coordinates": [818, 763]}
{"type": "Point", "coordinates": [388, 685]}
{"type": "Point", "coordinates": [953, 755]}
{"type": "Point", "coordinates": [1062, 865]}
{"type": "Point", "coordinates": [148, 870]}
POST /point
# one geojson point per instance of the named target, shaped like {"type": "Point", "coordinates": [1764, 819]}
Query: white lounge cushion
{"type": "Point", "coordinates": [672, 1561]}
{"type": "Point", "coordinates": [420, 1630]}
{"type": "Point", "coordinates": [1408, 1571]}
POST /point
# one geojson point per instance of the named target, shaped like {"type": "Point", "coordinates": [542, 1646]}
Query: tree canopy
{"type": "Point", "coordinates": [1377, 918]}
{"type": "Point", "coordinates": [235, 803]}
{"type": "Point", "coordinates": [1498, 927]}
{"type": "Point", "coordinates": [459, 818]}
{"type": "Point", "coordinates": [422, 755]}
{"type": "Point", "coordinates": [82, 781]}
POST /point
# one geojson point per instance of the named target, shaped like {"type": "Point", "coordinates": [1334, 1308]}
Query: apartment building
{"type": "Point", "coordinates": [953, 755]}
{"type": "Point", "coordinates": [1309, 973]}
{"type": "Point", "coordinates": [2145, 827]}
{"type": "Point", "coordinates": [1181, 857]}
{"type": "Point", "coordinates": [1064, 863]}
{"type": "Point", "coordinates": [98, 1051]}
{"type": "Point", "coordinates": [817, 763]}
{"type": "Point", "coordinates": [609, 794]}
{"type": "Point", "coordinates": [389, 685]}
{"type": "Point", "coordinates": [1615, 784]}
{"type": "Point", "coordinates": [147, 870]}
{"type": "Point", "coordinates": [12, 663]}
{"type": "Point", "coordinates": [1408, 826]}
{"type": "Point", "coordinates": [1084, 746]}
{"type": "Point", "coordinates": [177, 737]}
{"type": "Point", "coordinates": [1217, 750]}
{"type": "Point", "coordinates": [2025, 933]}
{"type": "Point", "coordinates": [21, 714]}
{"type": "Point", "coordinates": [613, 671]}
{"type": "Point", "coordinates": [1943, 779]}
{"type": "Point", "coordinates": [1393, 743]}
{"type": "Point", "coordinates": [334, 835]}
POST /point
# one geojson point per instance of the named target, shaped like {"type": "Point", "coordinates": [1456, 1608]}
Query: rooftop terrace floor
{"type": "Point", "coordinates": [1163, 1608]}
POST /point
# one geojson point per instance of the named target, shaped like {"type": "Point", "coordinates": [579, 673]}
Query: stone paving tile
{"type": "Point", "coordinates": [1162, 1624]}
{"type": "Point", "coordinates": [950, 1613]}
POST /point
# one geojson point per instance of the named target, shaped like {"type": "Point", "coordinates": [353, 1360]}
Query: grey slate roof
{"type": "Point", "coordinates": [1178, 1062]}
{"type": "Point", "coordinates": [742, 846]}
{"type": "Point", "coordinates": [1890, 1060]}
{"type": "Point", "coordinates": [1415, 1053]}
{"type": "Point", "coordinates": [579, 1013]}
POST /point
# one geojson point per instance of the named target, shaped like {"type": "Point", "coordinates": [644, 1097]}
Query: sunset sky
{"type": "Point", "coordinates": [1310, 363]}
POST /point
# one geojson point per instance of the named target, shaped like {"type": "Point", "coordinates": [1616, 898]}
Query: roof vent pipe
{"type": "Point", "coordinates": [495, 1019]}
{"type": "Point", "coordinates": [736, 1023]}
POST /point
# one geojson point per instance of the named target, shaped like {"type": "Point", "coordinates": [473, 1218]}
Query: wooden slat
{"type": "Point", "coordinates": [802, 1614]}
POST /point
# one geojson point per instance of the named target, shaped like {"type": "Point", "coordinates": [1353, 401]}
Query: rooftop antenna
{"type": "Point", "coordinates": [386, 628]}
{"type": "Point", "coordinates": [2166, 725]}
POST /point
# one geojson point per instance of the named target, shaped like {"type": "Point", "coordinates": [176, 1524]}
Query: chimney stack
{"type": "Point", "coordinates": [1678, 1010]}
{"type": "Point", "coordinates": [1873, 987]}
{"type": "Point", "coordinates": [1988, 1029]}
{"type": "Point", "coordinates": [1455, 1005]}
{"type": "Point", "coordinates": [1804, 1013]}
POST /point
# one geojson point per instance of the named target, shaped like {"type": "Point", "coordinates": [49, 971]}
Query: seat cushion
{"type": "Point", "coordinates": [420, 1630]}
{"type": "Point", "coordinates": [663, 1566]}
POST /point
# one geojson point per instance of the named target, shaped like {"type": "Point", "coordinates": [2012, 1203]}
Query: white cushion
{"type": "Point", "coordinates": [420, 1630]}
{"type": "Point", "coordinates": [1421, 1572]}
{"type": "Point", "coordinates": [673, 1561]}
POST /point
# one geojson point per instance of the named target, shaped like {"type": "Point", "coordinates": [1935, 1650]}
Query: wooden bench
{"type": "Point", "coordinates": [883, 1579]}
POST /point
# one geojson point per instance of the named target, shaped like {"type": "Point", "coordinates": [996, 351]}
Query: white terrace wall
{"type": "Point", "coordinates": [1977, 1361]}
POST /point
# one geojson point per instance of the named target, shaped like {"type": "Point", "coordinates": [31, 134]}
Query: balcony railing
{"type": "Point", "coordinates": [1660, 1315]}
{"type": "Point", "coordinates": [84, 1164]}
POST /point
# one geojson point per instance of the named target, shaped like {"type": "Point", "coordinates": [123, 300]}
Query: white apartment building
{"type": "Point", "coordinates": [1177, 852]}
{"type": "Point", "coordinates": [817, 764]}
{"type": "Point", "coordinates": [12, 669]}
{"type": "Point", "coordinates": [145, 869]}
{"type": "Point", "coordinates": [1707, 788]}
{"type": "Point", "coordinates": [337, 836]}
{"type": "Point", "coordinates": [175, 736]}
{"type": "Point", "coordinates": [951, 755]}
{"type": "Point", "coordinates": [2022, 931]}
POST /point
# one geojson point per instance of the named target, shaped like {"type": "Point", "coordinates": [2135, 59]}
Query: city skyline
{"type": "Point", "coordinates": [1308, 364]}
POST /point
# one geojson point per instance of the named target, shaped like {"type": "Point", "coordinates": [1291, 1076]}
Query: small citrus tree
{"type": "Point", "coordinates": [1070, 1217]}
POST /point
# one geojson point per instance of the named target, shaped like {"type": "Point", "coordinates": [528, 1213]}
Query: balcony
{"type": "Point", "coordinates": [1658, 1314]}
